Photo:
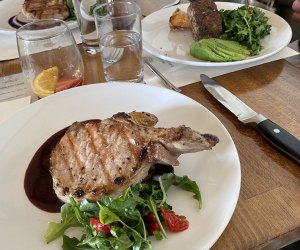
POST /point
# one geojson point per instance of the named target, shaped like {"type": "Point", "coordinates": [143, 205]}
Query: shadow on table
{"type": "Point", "coordinates": [293, 246]}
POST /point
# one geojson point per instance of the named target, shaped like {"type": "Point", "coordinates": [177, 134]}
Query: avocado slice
{"type": "Point", "coordinates": [219, 50]}
{"type": "Point", "coordinates": [205, 53]}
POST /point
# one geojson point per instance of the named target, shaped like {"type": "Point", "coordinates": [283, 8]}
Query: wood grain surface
{"type": "Point", "coordinates": [267, 215]}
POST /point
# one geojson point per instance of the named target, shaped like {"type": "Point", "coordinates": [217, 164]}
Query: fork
{"type": "Point", "coordinates": [166, 82]}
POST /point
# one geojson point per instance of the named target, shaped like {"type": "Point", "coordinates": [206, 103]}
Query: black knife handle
{"type": "Point", "coordinates": [280, 138]}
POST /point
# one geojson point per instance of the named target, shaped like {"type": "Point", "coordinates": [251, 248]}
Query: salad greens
{"type": "Point", "coordinates": [246, 25]}
{"type": "Point", "coordinates": [72, 14]}
{"type": "Point", "coordinates": [126, 221]}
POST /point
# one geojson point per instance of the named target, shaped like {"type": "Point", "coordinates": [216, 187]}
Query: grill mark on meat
{"type": "Point", "coordinates": [100, 158]}
{"type": "Point", "coordinates": [71, 145]}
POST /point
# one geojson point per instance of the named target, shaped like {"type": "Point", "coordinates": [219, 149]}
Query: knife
{"type": "Point", "coordinates": [275, 134]}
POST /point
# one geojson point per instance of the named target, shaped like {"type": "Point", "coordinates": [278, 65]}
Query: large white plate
{"type": "Point", "coordinates": [216, 171]}
{"type": "Point", "coordinates": [12, 17]}
{"type": "Point", "coordinates": [173, 46]}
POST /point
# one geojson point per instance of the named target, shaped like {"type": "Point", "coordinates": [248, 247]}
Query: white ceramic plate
{"type": "Point", "coordinates": [173, 46]}
{"type": "Point", "coordinates": [12, 17]}
{"type": "Point", "coordinates": [216, 171]}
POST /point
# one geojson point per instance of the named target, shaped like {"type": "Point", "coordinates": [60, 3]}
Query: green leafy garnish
{"type": "Point", "coordinates": [246, 25]}
{"type": "Point", "coordinates": [125, 215]}
{"type": "Point", "coordinates": [72, 14]}
{"type": "Point", "coordinates": [68, 219]}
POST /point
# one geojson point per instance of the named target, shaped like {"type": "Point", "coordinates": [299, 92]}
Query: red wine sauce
{"type": "Point", "coordinates": [38, 181]}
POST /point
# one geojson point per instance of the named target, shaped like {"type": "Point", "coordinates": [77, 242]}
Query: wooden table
{"type": "Point", "coordinates": [267, 215]}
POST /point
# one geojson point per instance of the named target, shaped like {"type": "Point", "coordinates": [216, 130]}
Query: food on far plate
{"type": "Point", "coordinates": [219, 50]}
{"type": "Point", "coordinates": [205, 19]}
{"type": "Point", "coordinates": [247, 25]}
{"type": "Point", "coordinates": [45, 9]}
{"type": "Point", "coordinates": [104, 157]}
{"type": "Point", "coordinates": [179, 20]}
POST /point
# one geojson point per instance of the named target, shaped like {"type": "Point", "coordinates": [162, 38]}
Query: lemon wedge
{"type": "Point", "coordinates": [45, 82]}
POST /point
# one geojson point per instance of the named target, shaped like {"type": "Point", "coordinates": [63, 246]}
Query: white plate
{"type": "Point", "coordinates": [216, 171]}
{"type": "Point", "coordinates": [12, 17]}
{"type": "Point", "coordinates": [173, 46]}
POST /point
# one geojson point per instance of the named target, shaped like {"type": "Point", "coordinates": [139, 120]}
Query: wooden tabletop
{"type": "Point", "coordinates": [267, 215]}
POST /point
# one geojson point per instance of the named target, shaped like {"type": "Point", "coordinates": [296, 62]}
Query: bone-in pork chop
{"type": "Point", "coordinates": [45, 9]}
{"type": "Point", "coordinates": [96, 158]}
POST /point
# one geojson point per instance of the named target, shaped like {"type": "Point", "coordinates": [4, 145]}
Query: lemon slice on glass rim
{"type": "Point", "coordinates": [44, 83]}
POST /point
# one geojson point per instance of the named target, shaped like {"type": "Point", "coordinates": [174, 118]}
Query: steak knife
{"type": "Point", "coordinates": [275, 134]}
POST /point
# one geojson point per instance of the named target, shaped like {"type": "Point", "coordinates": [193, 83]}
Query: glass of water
{"type": "Point", "coordinates": [84, 14]}
{"type": "Point", "coordinates": [119, 31]}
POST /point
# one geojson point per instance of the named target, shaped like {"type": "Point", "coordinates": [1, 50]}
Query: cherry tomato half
{"type": "Point", "coordinates": [98, 226]}
{"type": "Point", "coordinates": [152, 224]}
{"type": "Point", "coordinates": [174, 222]}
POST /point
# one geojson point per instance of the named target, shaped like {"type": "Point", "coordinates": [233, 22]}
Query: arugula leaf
{"type": "Point", "coordinates": [184, 183]}
{"type": "Point", "coordinates": [72, 244]}
{"type": "Point", "coordinates": [68, 219]}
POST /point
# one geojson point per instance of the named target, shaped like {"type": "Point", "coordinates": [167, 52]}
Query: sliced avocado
{"type": "Point", "coordinates": [230, 54]}
{"type": "Point", "coordinates": [201, 52]}
{"type": "Point", "coordinates": [219, 50]}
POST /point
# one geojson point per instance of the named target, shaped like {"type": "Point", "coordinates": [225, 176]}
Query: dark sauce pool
{"type": "Point", "coordinates": [38, 181]}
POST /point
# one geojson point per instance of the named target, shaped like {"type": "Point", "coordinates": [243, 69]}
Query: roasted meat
{"type": "Point", "coordinates": [96, 158]}
{"type": "Point", "coordinates": [45, 9]}
{"type": "Point", "coordinates": [205, 19]}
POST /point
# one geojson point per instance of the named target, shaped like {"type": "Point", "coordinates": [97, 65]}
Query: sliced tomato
{"type": "Point", "coordinates": [174, 222]}
{"type": "Point", "coordinates": [98, 226]}
{"type": "Point", "coordinates": [68, 83]}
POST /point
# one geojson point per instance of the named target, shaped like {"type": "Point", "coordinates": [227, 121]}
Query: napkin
{"type": "Point", "coordinates": [9, 108]}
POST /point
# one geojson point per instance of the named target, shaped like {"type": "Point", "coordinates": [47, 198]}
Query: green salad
{"type": "Point", "coordinates": [126, 221]}
{"type": "Point", "coordinates": [247, 25]}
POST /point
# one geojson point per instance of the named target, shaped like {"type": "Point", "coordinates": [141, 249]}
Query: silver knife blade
{"type": "Point", "coordinates": [244, 113]}
{"type": "Point", "coordinates": [275, 134]}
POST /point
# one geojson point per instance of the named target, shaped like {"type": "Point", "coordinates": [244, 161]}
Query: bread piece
{"type": "Point", "coordinates": [179, 20]}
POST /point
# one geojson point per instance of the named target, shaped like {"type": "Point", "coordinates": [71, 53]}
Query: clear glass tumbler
{"type": "Point", "coordinates": [49, 56]}
{"type": "Point", "coordinates": [119, 31]}
{"type": "Point", "coordinates": [84, 14]}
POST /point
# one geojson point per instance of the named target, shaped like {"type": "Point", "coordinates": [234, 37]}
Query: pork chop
{"type": "Point", "coordinates": [96, 158]}
{"type": "Point", "coordinates": [45, 9]}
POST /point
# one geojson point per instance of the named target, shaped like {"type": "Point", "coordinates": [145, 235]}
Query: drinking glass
{"type": "Point", "coordinates": [119, 31]}
{"type": "Point", "coordinates": [84, 14]}
{"type": "Point", "coordinates": [49, 56]}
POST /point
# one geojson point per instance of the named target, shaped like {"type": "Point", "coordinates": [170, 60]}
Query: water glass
{"type": "Point", "coordinates": [84, 14]}
{"type": "Point", "coordinates": [119, 31]}
{"type": "Point", "coordinates": [49, 56]}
